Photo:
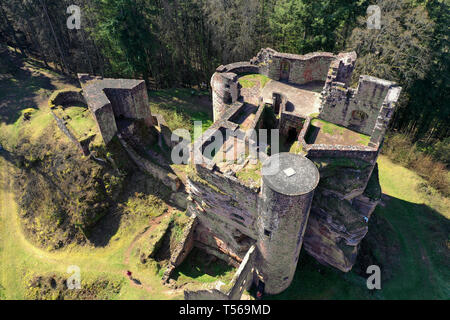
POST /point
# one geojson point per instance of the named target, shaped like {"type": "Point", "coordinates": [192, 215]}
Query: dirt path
{"type": "Point", "coordinates": [147, 230]}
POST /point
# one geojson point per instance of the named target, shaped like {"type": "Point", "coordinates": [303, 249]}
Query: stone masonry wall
{"type": "Point", "coordinates": [303, 68]}
{"type": "Point", "coordinates": [109, 99]}
{"type": "Point", "coordinates": [359, 109]}
{"type": "Point", "coordinates": [226, 206]}
{"type": "Point", "coordinates": [225, 91]}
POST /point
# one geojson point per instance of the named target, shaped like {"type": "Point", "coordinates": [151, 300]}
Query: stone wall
{"type": "Point", "coordinates": [288, 121]}
{"type": "Point", "coordinates": [302, 68]}
{"type": "Point", "coordinates": [225, 91]}
{"type": "Point", "coordinates": [360, 109]}
{"type": "Point", "coordinates": [238, 68]}
{"type": "Point", "coordinates": [182, 249]}
{"type": "Point", "coordinates": [167, 178]}
{"type": "Point", "coordinates": [224, 205]}
{"type": "Point", "coordinates": [109, 99]}
{"type": "Point", "coordinates": [83, 146]}
{"type": "Point", "coordinates": [243, 278]}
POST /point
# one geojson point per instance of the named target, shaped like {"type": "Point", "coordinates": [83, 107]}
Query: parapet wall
{"type": "Point", "coordinates": [66, 96]}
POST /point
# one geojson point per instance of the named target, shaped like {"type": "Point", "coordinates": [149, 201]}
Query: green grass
{"type": "Point", "coordinates": [328, 127]}
{"type": "Point", "coordinates": [195, 269]}
{"type": "Point", "coordinates": [11, 133]}
{"type": "Point", "coordinates": [364, 139]}
{"type": "Point", "coordinates": [250, 80]}
{"type": "Point", "coordinates": [81, 120]}
{"type": "Point", "coordinates": [19, 257]}
{"type": "Point", "coordinates": [296, 148]}
{"type": "Point", "coordinates": [250, 173]}
{"type": "Point", "coordinates": [145, 205]}
{"type": "Point", "coordinates": [181, 109]}
{"type": "Point", "coordinates": [334, 129]}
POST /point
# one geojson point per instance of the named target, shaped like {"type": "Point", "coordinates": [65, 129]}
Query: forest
{"type": "Point", "coordinates": [179, 43]}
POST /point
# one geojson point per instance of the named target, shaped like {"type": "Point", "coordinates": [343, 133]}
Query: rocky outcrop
{"type": "Point", "coordinates": [336, 226]}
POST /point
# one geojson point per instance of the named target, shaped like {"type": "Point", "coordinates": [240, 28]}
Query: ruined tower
{"type": "Point", "coordinates": [288, 184]}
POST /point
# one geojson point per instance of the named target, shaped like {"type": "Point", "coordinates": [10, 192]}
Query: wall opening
{"type": "Point", "coordinates": [285, 68]}
{"type": "Point", "coordinates": [276, 98]}
{"type": "Point", "coordinates": [292, 135]}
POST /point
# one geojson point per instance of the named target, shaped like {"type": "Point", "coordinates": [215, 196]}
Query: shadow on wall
{"type": "Point", "coordinates": [407, 241]}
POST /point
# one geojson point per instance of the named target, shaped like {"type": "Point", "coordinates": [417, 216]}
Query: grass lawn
{"type": "Point", "coordinates": [196, 269]}
{"type": "Point", "coordinates": [330, 131]}
{"type": "Point", "coordinates": [250, 80]}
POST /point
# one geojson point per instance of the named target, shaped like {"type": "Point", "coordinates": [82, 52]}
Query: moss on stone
{"type": "Point", "coordinates": [193, 176]}
{"type": "Point", "coordinates": [250, 174]}
{"type": "Point", "coordinates": [297, 148]}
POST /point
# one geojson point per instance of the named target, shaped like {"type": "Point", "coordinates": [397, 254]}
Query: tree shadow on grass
{"type": "Point", "coordinates": [19, 87]}
{"type": "Point", "coordinates": [408, 241]}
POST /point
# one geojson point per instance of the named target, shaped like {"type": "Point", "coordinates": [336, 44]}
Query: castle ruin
{"type": "Point", "coordinates": [325, 186]}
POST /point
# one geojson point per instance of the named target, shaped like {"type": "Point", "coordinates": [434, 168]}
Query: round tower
{"type": "Point", "coordinates": [288, 184]}
{"type": "Point", "coordinates": [225, 91]}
